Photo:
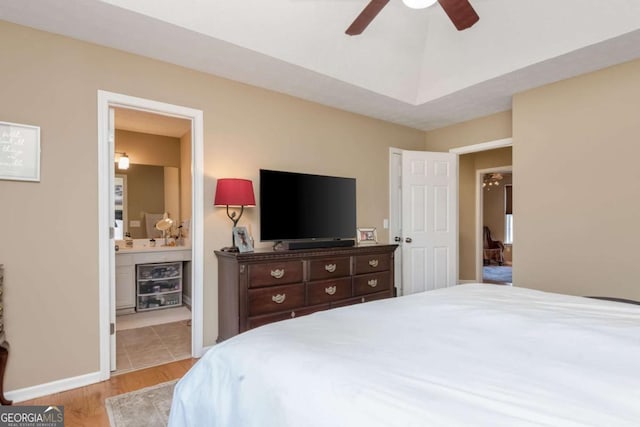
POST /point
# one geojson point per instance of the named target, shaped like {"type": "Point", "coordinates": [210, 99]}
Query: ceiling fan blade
{"type": "Point", "coordinates": [366, 16]}
{"type": "Point", "coordinates": [460, 12]}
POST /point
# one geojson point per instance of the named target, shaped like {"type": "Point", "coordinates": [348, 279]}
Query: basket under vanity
{"type": "Point", "coordinates": [150, 279]}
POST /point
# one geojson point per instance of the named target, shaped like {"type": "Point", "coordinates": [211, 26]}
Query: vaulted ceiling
{"type": "Point", "coordinates": [410, 67]}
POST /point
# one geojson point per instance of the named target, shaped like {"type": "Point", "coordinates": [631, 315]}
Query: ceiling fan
{"type": "Point", "coordinates": [460, 12]}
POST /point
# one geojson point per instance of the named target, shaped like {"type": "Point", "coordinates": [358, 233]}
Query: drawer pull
{"type": "Point", "coordinates": [279, 299]}
{"type": "Point", "coordinates": [277, 273]}
{"type": "Point", "coordinates": [373, 263]}
{"type": "Point", "coordinates": [293, 314]}
{"type": "Point", "coordinates": [373, 283]}
{"type": "Point", "coordinates": [362, 300]}
{"type": "Point", "coordinates": [331, 290]}
{"type": "Point", "coordinates": [330, 267]}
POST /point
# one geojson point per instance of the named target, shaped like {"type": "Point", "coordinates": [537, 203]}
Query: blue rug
{"type": "Point", "coordinates": [497, 273]}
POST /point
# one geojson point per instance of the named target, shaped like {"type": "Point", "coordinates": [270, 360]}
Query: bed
{"type": "Point", "coordinates": [470, 355]}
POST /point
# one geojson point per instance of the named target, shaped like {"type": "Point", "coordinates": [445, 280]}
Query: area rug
{"type": "Point", "coordinates": [497, 273]}
{"type": "Point", "coordinates": [146, 407]}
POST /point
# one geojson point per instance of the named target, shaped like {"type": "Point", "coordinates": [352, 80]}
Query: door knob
{"type": "Point", "coordinates": [408, 240]}
{"type": "Point", "coordinates": [397, 239]}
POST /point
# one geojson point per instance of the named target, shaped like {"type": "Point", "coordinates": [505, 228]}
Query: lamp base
{"type": "Point", "coordinates": [230, 249]}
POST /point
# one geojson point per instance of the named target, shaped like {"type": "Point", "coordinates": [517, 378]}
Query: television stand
{"type": "Point", "coordinates": [312, 244]}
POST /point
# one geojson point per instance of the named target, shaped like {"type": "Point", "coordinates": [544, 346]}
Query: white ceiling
{"type": "Point", "coordinates": [409, 66]}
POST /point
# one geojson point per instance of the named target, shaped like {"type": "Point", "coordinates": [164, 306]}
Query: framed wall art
{"type": "Point", "coordinates": [19, 152]}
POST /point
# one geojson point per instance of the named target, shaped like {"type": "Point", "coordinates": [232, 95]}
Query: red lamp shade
{"type": "Point", "coordinates": [234, 192]}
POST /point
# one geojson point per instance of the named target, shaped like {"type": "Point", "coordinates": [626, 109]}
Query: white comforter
{"type": "Point", "coordinates": [472, 355]}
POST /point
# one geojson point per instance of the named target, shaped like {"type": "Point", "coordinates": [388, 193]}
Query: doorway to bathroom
{"type": "Point", "coordinates": [150, 181]}
{"type": "Point", "coordinates": [152, 197]}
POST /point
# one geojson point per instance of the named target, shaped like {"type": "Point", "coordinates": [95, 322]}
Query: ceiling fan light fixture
{"type": "Point", "coordinates": [418, 4]}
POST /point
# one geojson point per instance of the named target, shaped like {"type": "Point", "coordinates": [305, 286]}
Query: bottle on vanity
{"type": "Point", "coordinates": [128, 241]}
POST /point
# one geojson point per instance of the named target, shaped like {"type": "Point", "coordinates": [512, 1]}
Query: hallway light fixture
{"type": "Point", "coordinates": [234, 192]}
{"type": "Point", "coordinates": [418, 4]}
{"type": "Point", "coordinates": [491, 180]}
{"type": "Point", "coordinates": [123, 161]}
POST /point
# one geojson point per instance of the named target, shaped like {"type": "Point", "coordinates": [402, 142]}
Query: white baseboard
{"type": "Point", "coordinates": [40, 390]}
{"type": "Point", "coordinates": [462, 282]}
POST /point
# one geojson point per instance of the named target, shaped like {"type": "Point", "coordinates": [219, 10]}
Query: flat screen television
{"type": "Point", "coordinates": [298, 206]}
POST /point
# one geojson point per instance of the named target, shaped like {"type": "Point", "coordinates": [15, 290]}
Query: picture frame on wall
{"type": "Point", "coordinates": [19, 152]}
{"type": "Point", "coordinates": [242, 240]}
{"type": "Point", "coordinates": [367, 236]}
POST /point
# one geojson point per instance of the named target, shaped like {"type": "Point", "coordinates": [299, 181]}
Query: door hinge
{"type": "Point", "coordinates": [112, 328]}
{"type": "Point", "coordinates": [112, 232]}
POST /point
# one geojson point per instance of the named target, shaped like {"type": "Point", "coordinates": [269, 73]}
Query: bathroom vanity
{"type": "Point", "coordinates": [149, 278]}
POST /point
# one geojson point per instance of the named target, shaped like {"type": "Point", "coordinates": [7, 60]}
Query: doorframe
{"type": "Point", "coordinates": [480, 216]}
{"type": "Point", "coordinates": [106, 254]}
{"type": "Point", "coordinates": [475, 148]}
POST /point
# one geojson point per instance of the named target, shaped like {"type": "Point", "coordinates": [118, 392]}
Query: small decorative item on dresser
{"type": "Point", "coordinates": [242, 240]}
{"type": "Point", "coordinates": [367, 236]}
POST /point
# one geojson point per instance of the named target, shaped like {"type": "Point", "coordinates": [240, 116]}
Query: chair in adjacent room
{"type": "Point", "coordinates": [493, 250]}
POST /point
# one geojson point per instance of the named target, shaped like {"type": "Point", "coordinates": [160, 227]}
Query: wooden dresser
{"type": "Point", "coordinates": [267, 286]}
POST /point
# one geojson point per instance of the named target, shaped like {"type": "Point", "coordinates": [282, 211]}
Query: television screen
{"type": "Point", "coordinates": [296, 206]}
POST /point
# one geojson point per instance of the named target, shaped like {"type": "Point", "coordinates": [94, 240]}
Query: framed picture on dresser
{"type": "Point", "coordinates": [367, 236]}
{"type": "Point", "coordinates": [242, 240]}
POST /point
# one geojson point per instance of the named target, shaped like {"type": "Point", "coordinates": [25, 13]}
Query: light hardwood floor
{"type": "Point", "coordinates": [84, 406]}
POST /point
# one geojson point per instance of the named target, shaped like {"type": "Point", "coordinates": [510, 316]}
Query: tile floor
{"type": "Point", "coordinates": [152, 345]}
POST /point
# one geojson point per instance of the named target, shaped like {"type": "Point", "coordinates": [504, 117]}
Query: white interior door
{"type": "Point", "coordinates": [112, 243]}
{"type": "Point", "coordinates": [429, 199]}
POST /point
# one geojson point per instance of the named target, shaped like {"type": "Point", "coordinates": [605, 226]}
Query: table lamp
{"type": "Point", "coordinates": [234, 192]}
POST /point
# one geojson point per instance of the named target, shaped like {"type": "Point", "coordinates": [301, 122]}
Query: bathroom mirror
{"type": "Point", "coordinates": [147, 192]}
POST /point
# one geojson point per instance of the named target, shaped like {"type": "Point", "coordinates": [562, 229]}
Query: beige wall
{"type": "Point", "coordinates": [50, 248]}
{"type": "Point", "coordinates": [485, 129]}
{"type": "Point", "coordinates": [185, 178]}
{"type": "Point", "coordinates": [147, 149]}
{"type": "Point", "coordinates": [576, 184]}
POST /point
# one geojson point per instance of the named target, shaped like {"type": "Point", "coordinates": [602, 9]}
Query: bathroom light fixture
{"type": "Point", "coordinates": [123, 161]}
{"type": "Point", "coordinates": [234, 192]}
{"type": "Point", "coordinates": [418, 4]}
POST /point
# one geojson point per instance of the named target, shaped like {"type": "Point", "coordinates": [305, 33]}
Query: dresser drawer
{"type": "Point", "coordinates": [254, 322]}
{"type": "Point", "coordinates": [361, 299]}
{"type": "Point", "coordinates": [328, 290]}
{"type": "Point", "coordinates": [275, 298]}
{"type": "Point", "coordinates": [370, 283]}
{"type": "Point", "coordinates": [329, 268]}
{"type": "Point", "coordinates": [275, 273]}
{"type": "Point", "coordinates": [372, 263]}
